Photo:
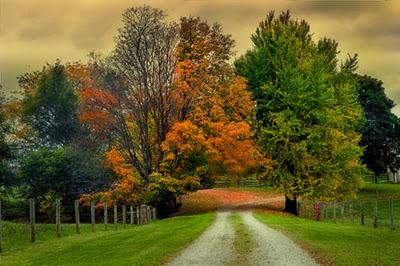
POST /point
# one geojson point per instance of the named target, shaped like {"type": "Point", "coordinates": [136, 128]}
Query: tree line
{"type": "Point", "coordinates": [166, 112]}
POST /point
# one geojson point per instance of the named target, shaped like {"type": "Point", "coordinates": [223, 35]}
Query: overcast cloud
{"type": "Point", "coordinates": [33, 32]}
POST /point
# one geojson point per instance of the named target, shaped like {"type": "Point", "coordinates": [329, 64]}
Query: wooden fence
{"type": "Point", "coordinates": [138, 215]}
{"type": "Point", "coordinates": [252, 182]}
{"type": "Point", "coordinates": [383, 178]}
{"type": "Point", "coordinates": [383, 212]}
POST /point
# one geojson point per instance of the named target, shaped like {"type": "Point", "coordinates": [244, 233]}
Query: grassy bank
{"type": "Point", "coordinates": [149, 244]}
{"type": "Point", "coordinates": [341, 244]}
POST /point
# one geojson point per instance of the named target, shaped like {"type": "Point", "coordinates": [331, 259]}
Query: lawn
{"type": "Point", "coordinates": [340, 244]}
{"type": "Point", "coordinates": [150, 244]}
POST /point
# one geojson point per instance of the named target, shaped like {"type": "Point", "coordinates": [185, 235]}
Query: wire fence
{"type": "Point", "coordinates": [382, 212]}
{"type": "Point", "coordinates": [25, 217]}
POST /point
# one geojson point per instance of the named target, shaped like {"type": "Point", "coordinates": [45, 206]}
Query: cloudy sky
{"type": "Point", "coordinates": [33, 32]}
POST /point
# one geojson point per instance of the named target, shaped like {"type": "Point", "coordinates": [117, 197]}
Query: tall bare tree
{"type": "Point", "coordinates": [139, 75]}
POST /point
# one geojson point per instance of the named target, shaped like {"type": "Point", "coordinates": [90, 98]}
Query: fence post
{"type": "Point", "coordinates": [124, 216]}
{"type": "Point", "coordinates": [375, 216]}
{"type": "Point", "coordinates": [154, 213]}
{"type": "Point", "coordinates": [351, 211]}
{"type": "Point", "coordinates": [391, 214]}
{"type": "Point", "coordinates": [32, 228]}
{"type": "Point", "coordinates": [334, 212]}
{"type": "Point", "coordinates": [142, 214]}
{"type": "Point", "coordinates": [93, 215]}
{"type": "Point", "coordinates": [307, 210]}
{"type": "Point", "coordinates": [105, 215]}
{"type": "Point", "coordinates": [131, 214]}
{"type": "Point", "coordinates": [149, 213]}
{"type": "Point", "coordinates": [342, 212]}
{"type": "Point", "coordinates": [1, 230]}
{"type": "Point", "coordinates": [58, 218]}
{"type": "Point", "coordinates": [77, 222]}
{"type": "Point", "coordinates": [326, 214]}
{"type": "Point", "coordinates": [115, 216]}
{"type": "Point", "coordinates": [137, 215]}
{"type": "Point", "coordinates": [362, 214]}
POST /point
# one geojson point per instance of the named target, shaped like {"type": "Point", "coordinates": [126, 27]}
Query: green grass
{"type": "Point", "coordinates": [342, 244]}
{"type": "Point", "coordinates": [150, 244]}
{"type": "Point", "coordinates": [243, 243]}
{"type": "Point", "coordinates": [381, 190]}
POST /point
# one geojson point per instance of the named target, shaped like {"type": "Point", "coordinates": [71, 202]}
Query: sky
{"type": "Point", "coordinates": [33, 32]}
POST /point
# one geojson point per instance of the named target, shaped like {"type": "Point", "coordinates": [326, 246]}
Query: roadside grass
{"type": "Point", "coordinates": [340, 244]}
{"type": "Point", "coordinates": [17, 235]}
{"type": "Point", "coordinates": [151, 244]}
{"type": "Point", "coordinates": [243, 242]}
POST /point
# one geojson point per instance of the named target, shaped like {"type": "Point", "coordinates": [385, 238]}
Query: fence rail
{"type": "Point", "coordinates": [379, 212]}
{"type": "Point", "coordinates": [122, 216]}
{"type": "Point", "coordinates": [383, 178]}
{"type": "Point", "coordinates": [240, 183]}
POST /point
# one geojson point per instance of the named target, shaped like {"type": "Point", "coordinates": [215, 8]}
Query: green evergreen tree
{"type": "Point", "coordinates": [381, 132]}
{"type": "Point", "coordinates": [51, 110]}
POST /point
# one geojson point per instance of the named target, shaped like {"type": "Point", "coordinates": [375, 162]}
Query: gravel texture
{"type": "Point", "coordinates": [272, 247]}
{"type": "Point", "coordinates": [213, 247]}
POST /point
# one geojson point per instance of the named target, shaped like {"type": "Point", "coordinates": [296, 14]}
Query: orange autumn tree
{"type": "Point", "coordinates": [173, 129]}
{"type": "Point", "coordinates": [211, 135]}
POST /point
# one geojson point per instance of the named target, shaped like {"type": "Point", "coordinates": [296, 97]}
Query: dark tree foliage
{"type": "Point", "coordinates": [51, 108]}
{"type": "Point", "coordinates": [381, 131]}
{"type": "Point", "coordinates": [6, 175]}
{"type": "Point", "coordinates": [63, 172]}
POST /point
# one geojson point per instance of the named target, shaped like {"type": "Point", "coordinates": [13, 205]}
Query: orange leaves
{"type": "Point", "coordinates": [125, 190]}
{"type": "Point", "coordinates": [231, 147]}
{"type": "Point", "coordinates": [80, 74]}
{"type": "Point", "coordinates": [99, 97]}
{"type": "Point", "coordinates": [183, 139]}
{"type": "Point", "coordinates": [117, 163]}
{"type": "Point", "coordinates": [94, 108]}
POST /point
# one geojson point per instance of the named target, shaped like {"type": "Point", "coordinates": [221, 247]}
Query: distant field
{"type": "Point", "coordinates": [340, 244]}
{"type": "Point", "coordinates": [150, 244]}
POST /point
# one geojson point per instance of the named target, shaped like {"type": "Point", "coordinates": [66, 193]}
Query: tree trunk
{"type": "Point", "coordinates": [291, 205]}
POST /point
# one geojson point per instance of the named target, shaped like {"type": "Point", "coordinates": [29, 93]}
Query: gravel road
{"type": "Point", "coordinates": [215, 246]}
{"type": "Point", "coordinates": [272, 247]}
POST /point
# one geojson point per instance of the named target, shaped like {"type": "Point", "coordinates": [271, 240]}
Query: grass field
{"type": "Point", "coordinates": [340, 244]}
{"type": "Point", "coordinates": [150, 244]}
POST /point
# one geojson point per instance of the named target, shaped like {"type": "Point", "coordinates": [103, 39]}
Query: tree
{"type": "Point", "coordinates": [381, 131]}
{"type": "Point", "coordinates": [6, 175]}
{"type": "Point", "coordinates": [306, 111]}
{"type": "Point", "coordinates": [134, 94]}
{"type": "Point", "coordinates": [175, 117]}
{"type": "Point", "coordinates": [50, 106]}
{"type": "Point", "coordinates": [63, 173]}
{"type": "Point", "coordinates": [211, 136]}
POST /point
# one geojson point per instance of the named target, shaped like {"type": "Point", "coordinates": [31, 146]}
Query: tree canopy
{"type": "Point", "coordinates": [306, 109]}
{"type": "Point", "coordinates": [381, 131]}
